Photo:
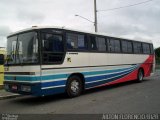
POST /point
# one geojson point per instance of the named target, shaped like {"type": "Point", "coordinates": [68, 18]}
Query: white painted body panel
{"type": "Point", "coordinates": [99, 59]}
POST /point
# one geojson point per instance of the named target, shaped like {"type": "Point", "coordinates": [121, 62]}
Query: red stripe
{"type": "Point", "coordinates": [147, 65]}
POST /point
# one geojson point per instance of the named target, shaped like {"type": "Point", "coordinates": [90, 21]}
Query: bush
{"type": "Point", "coordinates": [157, 54]}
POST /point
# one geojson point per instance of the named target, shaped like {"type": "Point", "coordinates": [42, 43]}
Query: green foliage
{"type": "Point", "coordinates": [157, 54]}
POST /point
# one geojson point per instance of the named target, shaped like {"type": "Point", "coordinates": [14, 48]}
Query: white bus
{"type": "Point", "coordinates": [50, 60]}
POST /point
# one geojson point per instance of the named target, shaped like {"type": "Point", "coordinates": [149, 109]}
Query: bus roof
{"type": "Point", "coordinates": [76, 30]}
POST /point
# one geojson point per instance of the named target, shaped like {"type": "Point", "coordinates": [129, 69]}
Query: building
{"type": "Point", "coordinates": [2, 54]}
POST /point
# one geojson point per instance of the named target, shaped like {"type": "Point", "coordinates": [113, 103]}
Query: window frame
{"type": "Point", "coordinates": [41, 48]}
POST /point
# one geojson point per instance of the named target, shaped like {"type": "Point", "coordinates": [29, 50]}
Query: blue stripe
{"type": "Point", "coordinates": [106, 71]}
{"type": "Point", "coordinates": [105, 81]}
{"type": "Point", "coordinates": [89, 79]}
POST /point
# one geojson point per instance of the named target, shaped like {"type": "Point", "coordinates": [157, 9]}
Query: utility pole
{"type": "Point", "coordinates": [95, 15]}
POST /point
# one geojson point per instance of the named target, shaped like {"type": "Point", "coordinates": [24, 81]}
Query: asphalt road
{"type": "Point", "coordinates": [128, 97]}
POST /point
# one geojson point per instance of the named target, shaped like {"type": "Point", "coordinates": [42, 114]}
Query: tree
{"type": "Point", "coordinates": [157, 54]}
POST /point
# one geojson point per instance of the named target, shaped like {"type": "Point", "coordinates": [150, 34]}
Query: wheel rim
{"type": "Point", "coordinates": [75, 86]}
{"type": "Point", "coordinates": [140, 76]}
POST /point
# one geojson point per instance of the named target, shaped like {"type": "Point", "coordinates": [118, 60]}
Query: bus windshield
{"type": "Point", "coordinates": [22, 48]}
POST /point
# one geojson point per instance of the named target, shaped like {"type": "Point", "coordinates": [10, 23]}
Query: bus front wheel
{"type": "Point", "coordinates": [74, 86]}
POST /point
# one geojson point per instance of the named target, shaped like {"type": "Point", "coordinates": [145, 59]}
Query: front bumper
{"type": "Point", "coordinates": [22, 88]}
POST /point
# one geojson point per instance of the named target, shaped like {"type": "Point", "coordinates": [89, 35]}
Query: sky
{"type": "Point", "coordinates": [139, 22]}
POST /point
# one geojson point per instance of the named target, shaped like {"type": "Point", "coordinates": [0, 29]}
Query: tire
{"type": "Point", "coordinates": [140, 75]}
{"type": "Point", "coordinates": [74, 86]}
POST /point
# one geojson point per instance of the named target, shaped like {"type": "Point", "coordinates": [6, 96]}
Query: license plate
{"type": "Point", "coordinates": [6, 69]}
{"type": "Point", "coordinates": [14, 87]}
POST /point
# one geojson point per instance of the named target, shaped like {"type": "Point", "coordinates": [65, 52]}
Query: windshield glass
{"type": "Point", "coordinates": [22, 48]}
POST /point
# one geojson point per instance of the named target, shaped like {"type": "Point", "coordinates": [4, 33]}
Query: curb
{"type": "Point", "coordinates": [9, 96]}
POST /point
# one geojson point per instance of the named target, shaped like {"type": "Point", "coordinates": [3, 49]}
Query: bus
{"type": "Point", "coordinates": [44, 61]}
{"type": "Point", "coordinates": [2, 52]}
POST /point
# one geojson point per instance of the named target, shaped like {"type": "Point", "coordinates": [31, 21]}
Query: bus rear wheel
{"type": "Point", "coordinates": [140, 75]}
{"type": "Point", "coordinates": [74, 86]}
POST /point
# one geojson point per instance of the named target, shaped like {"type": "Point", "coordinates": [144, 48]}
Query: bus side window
{"type": "Point", "coordinates": [146, 49]}
{"type": "Point", "coordinates": [137, 47]}
{"type": "Point", "coordinates": [126, 46]}
{"type": "Point", "coordinates": [53, 48]}
{"type": "Point", "coordinates": [52, 43]}
{"type": "Point", "coordinates": [76, 41]}
{"type": "Point", "coordinates": [1, 59]}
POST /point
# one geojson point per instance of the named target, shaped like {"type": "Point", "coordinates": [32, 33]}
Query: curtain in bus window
{"type": "Point", "coordinates": [72, 41]}
{"type": "Point", "coordinates": [81, 42]}
{"type": "Point", "coordinates": [124, 46]}
{"type": "Point", "coordinates": [117, 46]}
{"type": "Point", "coordinates": [93, 43]}
{"type": "Point", "coordinates": [101, 44]}
{"type": "Point", "coordinates": [146, 49]}
{"type": "Point", "coordinates": [112, 46]}
{"type": "Point", "coordinates": [137, 47]}
{"type": "Point", "coordinates": [76, 41]}
{"type": "Point", "coordinates": [129, 47]}
{"type": "Point", "coordinates": [52, 43]}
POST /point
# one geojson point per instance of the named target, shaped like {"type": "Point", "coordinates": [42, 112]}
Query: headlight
{"type": "Point", "coordinates": [6, 86]}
